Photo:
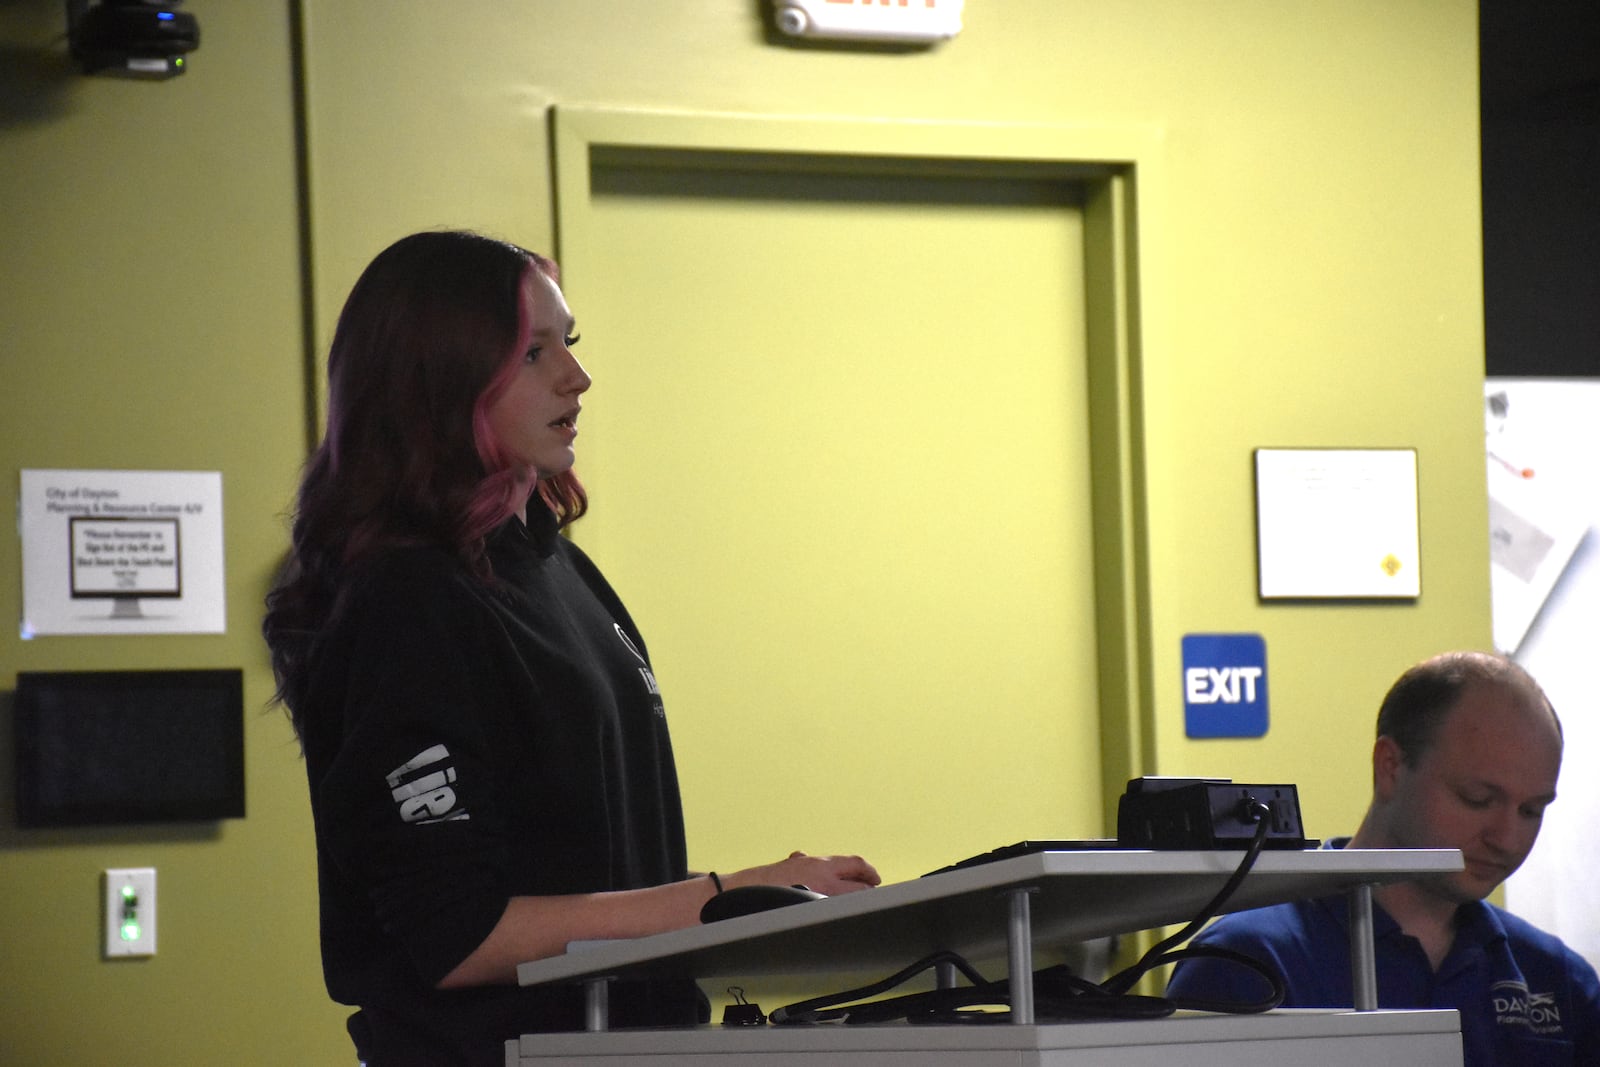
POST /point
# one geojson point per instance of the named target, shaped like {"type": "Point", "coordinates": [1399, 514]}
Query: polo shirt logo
{"type": "Point", "coordinates": [423, 788]}
{"type": "Point", "coordinates": [1514, 1005]}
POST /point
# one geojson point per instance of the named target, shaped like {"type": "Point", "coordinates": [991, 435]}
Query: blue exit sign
{"type": "Point", "coordinates": [1224, 685]}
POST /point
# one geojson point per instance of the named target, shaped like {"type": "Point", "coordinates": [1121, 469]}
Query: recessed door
{"type": "Point", "coordinates": [837, 448]}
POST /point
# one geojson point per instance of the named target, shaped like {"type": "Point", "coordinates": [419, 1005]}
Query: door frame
{"type": "Point", "coordinates": [1118, 168]}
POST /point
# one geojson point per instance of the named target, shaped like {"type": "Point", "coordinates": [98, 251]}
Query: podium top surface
{"type": "Point", "coordinates": [1073, 896]}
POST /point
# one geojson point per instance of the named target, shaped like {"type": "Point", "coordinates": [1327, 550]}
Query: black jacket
{"type": "Point", "coordinates": [466, 743]}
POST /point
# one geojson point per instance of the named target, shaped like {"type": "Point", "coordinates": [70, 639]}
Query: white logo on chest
{"type": "Point", "coordinates": [650, 685]}
{"type": "Point", "coordinates": [1514, 1005]}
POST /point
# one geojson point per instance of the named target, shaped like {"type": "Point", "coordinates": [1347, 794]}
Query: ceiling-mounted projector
{"type": "Point", "coordinates": [131, 38]}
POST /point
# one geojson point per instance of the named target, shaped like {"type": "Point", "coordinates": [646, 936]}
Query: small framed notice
{"type": "Point", "coordinates": [121, 552]}
{"type": "Point", "coordinates": [1337, 523]}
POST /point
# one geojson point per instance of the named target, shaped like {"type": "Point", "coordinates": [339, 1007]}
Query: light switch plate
{"type": "Point", "coordinates": [130, 912]}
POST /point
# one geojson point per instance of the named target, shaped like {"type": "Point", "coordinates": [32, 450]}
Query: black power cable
{"type": "Point", "coordinates": [1158, 954]}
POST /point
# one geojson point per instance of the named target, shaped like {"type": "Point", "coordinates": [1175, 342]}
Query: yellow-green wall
{"type": "Point", "coordinates": [1316, 282]}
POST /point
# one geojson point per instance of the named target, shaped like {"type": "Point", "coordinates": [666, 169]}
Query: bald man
{"type": "Point", "coordinates": [1467, 755]}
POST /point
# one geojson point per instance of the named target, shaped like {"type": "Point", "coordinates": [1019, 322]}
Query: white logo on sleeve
{"type": "Point", "coordinates": [422, 787]}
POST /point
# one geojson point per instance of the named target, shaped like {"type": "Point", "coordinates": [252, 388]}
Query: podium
{"type": "Point", "coordinates": [1006, 910]}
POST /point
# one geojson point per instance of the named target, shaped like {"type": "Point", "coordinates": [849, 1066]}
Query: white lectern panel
{"type": "Point", "coordinates": [1323, 1038]}
{"type": "Point", "coordinates": [1076, 896]}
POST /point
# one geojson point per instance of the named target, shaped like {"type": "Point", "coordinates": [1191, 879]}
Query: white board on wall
{"type": "Point", "coordinates": [1544, 459]}
{"type": "Point", "coordinates": [1337, 523]}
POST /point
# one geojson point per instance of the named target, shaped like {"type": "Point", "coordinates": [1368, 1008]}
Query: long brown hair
{"type": "Point", "coordinates": [420, 350]}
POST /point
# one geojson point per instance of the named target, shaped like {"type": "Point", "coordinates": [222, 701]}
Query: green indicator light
{"type": "Point", "coordinates": [129, 893]}
{"type": "Point", "coordinates": [178, 62]}
{"type": "Point", "coordinates": [130, 931]}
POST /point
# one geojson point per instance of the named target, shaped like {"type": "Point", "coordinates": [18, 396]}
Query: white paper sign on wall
{"type": "Point", "coordinates": [1336, 522]}
{"type": "Point", "coordinates": [120, 552]}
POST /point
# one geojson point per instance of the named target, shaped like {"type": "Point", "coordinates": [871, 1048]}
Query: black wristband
{"type": "Point", "coordinates": [715, 881]}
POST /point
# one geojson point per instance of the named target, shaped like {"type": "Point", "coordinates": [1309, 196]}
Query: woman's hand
{"type": "Point", "coordinates": [830, 875]}
{"type": "Point", "coordinates": [534, 928]}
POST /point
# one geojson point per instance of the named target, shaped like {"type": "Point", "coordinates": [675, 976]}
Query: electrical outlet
{"type": "Point", "coordinates": [130, 916]}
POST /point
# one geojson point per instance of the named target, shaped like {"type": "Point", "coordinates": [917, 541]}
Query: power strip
{"type": "Point", "coordinates": [1207, 813]}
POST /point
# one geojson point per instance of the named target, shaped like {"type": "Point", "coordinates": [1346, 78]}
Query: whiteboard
{"type": "Point", "coordinates": [1548, 427]}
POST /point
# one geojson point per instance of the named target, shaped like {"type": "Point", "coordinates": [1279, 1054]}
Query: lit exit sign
{"type": "Point", "coordinates": [920, 21]}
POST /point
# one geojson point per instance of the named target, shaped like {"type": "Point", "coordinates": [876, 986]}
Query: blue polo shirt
{"type": "Point", "coordinates": [1524, 997]}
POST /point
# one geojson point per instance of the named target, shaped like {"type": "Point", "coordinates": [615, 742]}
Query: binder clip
{"type": "Point", "coordinates": [741, 1012]}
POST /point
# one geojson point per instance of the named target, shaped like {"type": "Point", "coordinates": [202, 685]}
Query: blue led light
{"type": "Point", "coordinates": [165, 15]}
